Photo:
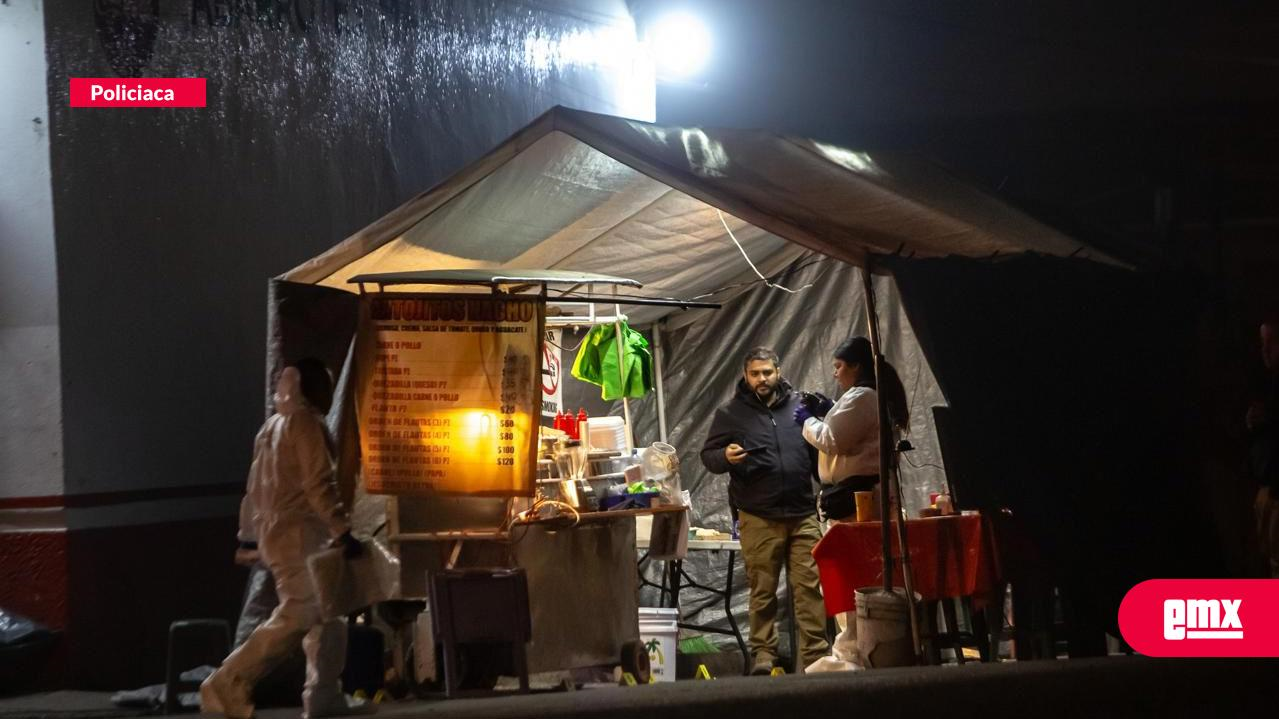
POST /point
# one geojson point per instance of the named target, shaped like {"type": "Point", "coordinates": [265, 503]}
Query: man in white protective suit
{"type": "Point", "coordinates": [296, 512]}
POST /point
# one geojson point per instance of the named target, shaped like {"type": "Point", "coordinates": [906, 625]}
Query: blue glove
{"type": "Point", "coordinates": [801, 415]}
{"type": "Point", "coordinates": [816, 404]}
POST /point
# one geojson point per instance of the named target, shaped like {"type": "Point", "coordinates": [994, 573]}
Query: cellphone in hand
{"type": "Point", "coordinates": [752, 450]}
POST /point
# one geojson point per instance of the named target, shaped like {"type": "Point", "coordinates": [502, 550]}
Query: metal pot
{"type": "Point", "coordinates": [578, 494]}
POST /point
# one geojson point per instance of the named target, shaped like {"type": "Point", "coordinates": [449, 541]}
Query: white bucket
{"type": "Point", "coordinates": [883, 627]}
{"type": "Point", "coordinates": [659, 632]}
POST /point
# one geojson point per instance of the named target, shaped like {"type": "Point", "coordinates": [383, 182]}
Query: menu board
{"type": "Point", "coordinates": [448, 393]}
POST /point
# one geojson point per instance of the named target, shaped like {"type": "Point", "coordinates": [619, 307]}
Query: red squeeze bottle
{"type": "Point", "coordinates": [570, 425]}
{"type": "Point", "coordinates": [580, 422]}
{"type": "Point", "coordinates": [559, 420]}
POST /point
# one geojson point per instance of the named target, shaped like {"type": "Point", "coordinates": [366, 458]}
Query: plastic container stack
{"type": "Point", "coordinates": [608, 433]}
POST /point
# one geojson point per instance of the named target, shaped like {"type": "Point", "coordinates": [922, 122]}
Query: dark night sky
{"type": "Point", "coordinates": [1132, 125]}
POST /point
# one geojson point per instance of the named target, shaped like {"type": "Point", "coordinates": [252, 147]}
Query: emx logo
{"type": "Point", "coordinates": [1202, 617]}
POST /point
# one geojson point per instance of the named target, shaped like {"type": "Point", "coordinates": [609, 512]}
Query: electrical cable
{"type": "Point", "coordinates": [531, 514]}
{"type": "Point", "coordinates": [741, 249]}
{"type": "Point", "coordinates": [574, 348]}
{"type": "Point", "coordinates": [914, 393]}
{"type": "Point", "coordinates": [906, 457]}
{"type": "Point", "coordinates": [779, 273]}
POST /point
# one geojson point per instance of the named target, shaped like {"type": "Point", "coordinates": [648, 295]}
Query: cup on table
{"type": "Point", "coordinates": [865, 506]}
{"type": "Point", "coordinates": [944, 504]}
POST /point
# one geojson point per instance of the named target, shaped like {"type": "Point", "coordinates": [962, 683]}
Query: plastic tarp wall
{"type": "Point", "coordinates": [702, 364]}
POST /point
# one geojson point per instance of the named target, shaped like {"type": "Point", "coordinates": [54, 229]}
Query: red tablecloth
{"type": "Point", "coordinates": [950, 557]}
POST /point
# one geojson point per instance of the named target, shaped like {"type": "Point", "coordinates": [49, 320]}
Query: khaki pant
{"type": "Point", "coordinates": [1267, 511]}
{"type": "Point", "coordinates": [767, 546]}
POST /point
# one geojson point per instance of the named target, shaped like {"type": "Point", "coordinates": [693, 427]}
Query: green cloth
{"type": "Point", "coordinates": [597, 362]}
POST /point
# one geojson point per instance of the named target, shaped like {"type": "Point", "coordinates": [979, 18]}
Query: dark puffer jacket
{"type": "Point", "coordinates": [777, 481]}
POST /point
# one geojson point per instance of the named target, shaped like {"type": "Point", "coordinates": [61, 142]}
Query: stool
{"type": "Point", "coordinates": [474, 609]}
{"type": "Point", "coordinates": [953, 637]}
{"type": "Point", "coordinates": [192, 643]}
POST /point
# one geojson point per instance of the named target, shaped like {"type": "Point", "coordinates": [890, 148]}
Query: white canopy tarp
{"type": "Point", "coordinates": [596, 193]}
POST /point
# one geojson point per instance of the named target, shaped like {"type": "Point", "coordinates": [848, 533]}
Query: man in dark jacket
{"type": "Point", "coordinates": [770, 468]}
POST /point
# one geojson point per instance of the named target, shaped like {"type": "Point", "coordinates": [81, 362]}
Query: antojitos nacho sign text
{"type": "Point", "coordinates": [449, 393]}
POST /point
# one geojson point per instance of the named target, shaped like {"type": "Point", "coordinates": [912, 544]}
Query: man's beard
{"type": "Point", "coordinates": [766, 391]}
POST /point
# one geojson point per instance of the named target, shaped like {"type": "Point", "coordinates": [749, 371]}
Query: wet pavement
{"type": "Point", "coordinates": [1109, 687]}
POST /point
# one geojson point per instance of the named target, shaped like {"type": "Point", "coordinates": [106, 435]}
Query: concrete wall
{"type": "Point", "coordinates": [30, 394]}
{"type": "Point", "coordinates": [33, 545]}
{"type": "Point", "coordinates": [170, 221]}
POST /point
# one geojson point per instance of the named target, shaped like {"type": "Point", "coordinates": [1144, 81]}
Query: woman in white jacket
{"type": "Point", "coordinates": [846, 435]}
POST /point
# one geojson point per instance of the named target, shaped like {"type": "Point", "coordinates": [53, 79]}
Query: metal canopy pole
{"type": "Point", "coordinates": [872, 325]}
{"type": "Point", "coordinates": [657, 376]}
{"type": "Point", "coordinates": [621, 372]}
{"type": "Point", "coordinates": [889, 481]}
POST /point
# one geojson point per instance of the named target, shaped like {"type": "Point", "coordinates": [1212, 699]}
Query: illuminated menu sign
{"type": "Point", "coordinates": [449, 393]}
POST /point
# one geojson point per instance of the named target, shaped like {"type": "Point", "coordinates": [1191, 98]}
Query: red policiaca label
{"type": "Point", "coordinates": [1202, 617]}
{"type": "Point", "coordinates": [137, 92]}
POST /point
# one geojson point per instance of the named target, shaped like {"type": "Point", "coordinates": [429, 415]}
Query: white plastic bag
{"type": "Point", "coordinates": [844, 656]}
{"type": "Point", "coordinates": [343, 585]}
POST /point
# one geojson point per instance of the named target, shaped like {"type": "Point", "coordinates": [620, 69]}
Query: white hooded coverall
{"type": "Point", "coordinates": [296, 511]}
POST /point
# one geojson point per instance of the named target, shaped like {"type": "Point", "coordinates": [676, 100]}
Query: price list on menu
{"type": "Point", "coordinates": [448, 393]}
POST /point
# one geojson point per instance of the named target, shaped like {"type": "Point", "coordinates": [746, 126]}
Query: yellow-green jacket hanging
{"type": "Point", "coordinates": [597, 362]}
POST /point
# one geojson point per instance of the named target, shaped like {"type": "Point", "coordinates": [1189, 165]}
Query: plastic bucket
{"type": "Point", "coordinates": [659, 632]}
{"type": "Point", "coordinates": [883, 627]}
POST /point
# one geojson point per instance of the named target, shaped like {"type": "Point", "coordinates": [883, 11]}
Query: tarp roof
{"type": "Point", "coordinates": [595, 193]}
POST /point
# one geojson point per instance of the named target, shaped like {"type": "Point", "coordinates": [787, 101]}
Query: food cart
{"type": "Point", "coordinates": [447, 391]}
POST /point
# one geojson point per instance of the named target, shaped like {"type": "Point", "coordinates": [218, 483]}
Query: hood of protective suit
{"type": "Point", "coordinates": [288, 396]}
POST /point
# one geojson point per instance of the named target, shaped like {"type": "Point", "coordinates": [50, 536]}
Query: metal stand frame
{"type": "Point", "coordinates": [890, 482]}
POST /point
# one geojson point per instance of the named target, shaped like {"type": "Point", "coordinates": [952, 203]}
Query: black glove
{"type": "Point", "coordinates": [351, 547]}
{"type": "Point", "coordinates": [816, 403]}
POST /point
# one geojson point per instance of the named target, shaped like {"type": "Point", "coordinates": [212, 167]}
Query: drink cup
{"type": "Point", "coordinates": [865, 506]}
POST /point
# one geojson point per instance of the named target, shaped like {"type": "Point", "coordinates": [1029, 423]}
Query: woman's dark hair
{"type": "Point", "coordinates": [856, 350]}
{"type": "Point", "coordinates": [317, 383]}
